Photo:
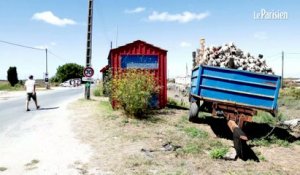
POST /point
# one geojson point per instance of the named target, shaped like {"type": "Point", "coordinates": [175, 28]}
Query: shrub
{"type": "Point", "coordinates": [133, 89]}
{"type": "Point", "coordinates": [98, 91]}
{"type": "Point", "coordinates": [12, 76]}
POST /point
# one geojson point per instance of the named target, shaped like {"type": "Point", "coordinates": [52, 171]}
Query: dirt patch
{"type": "Point", "coordinates": [165, 144]}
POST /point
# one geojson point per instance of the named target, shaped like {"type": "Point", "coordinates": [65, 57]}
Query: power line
{"type": "Point", "coordinates": [56, 56]}
{"type": "Point", "coordinates": [294, 53]}
{"type": "Point", "coordinates": [277, 54]}
{"type": "Point", "coordinates": [20, 45]}
{"type": "Point", "coordinates": [29, 47]}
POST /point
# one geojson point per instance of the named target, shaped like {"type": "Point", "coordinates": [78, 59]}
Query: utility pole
{"type": "Point", "coordinates": [46, 74]}
{"type": "Point", "coordinates": [282, 69]}
{"type": "Point", "coordinates": [117, 36]}
{"type": "Point", "coordinates": [89, 46]}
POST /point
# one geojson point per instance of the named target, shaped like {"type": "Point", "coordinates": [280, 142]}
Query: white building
{"type": "Point", "coordinates": [183, 80]}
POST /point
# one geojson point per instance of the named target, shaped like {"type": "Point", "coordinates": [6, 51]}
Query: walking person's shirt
{"type": "Point", "coordinates": [30, 85]}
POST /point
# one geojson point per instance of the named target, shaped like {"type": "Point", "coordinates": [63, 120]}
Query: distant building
{"type": "Point", "coordinates": [183, 80]}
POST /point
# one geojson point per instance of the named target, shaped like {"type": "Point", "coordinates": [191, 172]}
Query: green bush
{"type": "Point", "coordinates": [98, 91]}
{"type": "Point", "coordinates": [132, 89]}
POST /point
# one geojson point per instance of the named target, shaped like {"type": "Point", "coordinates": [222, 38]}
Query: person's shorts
{"type": "Point", "coordinates": [31, 95]}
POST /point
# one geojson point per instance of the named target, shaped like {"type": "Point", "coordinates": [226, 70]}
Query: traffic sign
{"type": "Point", "coordinates": [87, 79]}
{"type": "Point", "coordinates": [88, 72]}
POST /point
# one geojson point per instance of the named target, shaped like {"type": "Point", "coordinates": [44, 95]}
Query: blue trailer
{"type": "Point", "coordinates": [233, 94]}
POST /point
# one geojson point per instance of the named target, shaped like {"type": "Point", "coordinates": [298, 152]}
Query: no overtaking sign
{"type": "Point", "coordinates": [88, 72]}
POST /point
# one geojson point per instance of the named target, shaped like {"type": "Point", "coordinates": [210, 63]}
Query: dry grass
{"type": "Point", "coordinates": [131, 146]}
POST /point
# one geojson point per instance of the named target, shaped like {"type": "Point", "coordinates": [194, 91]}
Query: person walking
{"type": "Point", "coordinates": [31, 93]}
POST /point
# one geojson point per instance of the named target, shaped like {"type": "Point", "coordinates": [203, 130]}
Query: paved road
{"type": "Point", "coordinates": [12, 111]}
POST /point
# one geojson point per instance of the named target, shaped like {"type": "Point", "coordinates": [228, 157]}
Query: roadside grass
{"type": "Point", "coordinates": [272, 140]}
{"type": "Point", "coordinates": [218, 153]}
{"type": "Point", "coordinates": [260, 156]}
{"type": "Point", "coordinates": [119, 140]}
{"type": "Point", "coordinates": [290, 91]}
{"type": "Point", "coordinates": [195, 132]}
{"type": "Point", "coordinates": [7, 87]}
{"type": "Point", "coordinates": [98, 90]}
{"type": "Point", "coordinates": [174, 102]}
{"type": "Point", "coordinates": [265, 117]}
{"type": "Point", "coordinates": [289, 102]}
{"type": "Point", "coordinates": [170, 128]}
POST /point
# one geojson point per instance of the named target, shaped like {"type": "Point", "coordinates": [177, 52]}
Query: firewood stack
{"type": "Point", "coordinates": [230, 56]}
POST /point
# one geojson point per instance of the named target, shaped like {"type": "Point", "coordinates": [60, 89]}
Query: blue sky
{"type": "Point", "coordinates": [175, 25]}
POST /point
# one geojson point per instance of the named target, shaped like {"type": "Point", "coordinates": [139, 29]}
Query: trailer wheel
{"type": "Point", "coordinates": [194, 110]}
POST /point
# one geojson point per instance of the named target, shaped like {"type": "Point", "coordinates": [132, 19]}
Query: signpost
{"type": "Point", "coordinates": [88, 72]}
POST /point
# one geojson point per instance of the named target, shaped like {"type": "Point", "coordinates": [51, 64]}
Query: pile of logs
{"type": "Point", "coordinates": [230, 56]}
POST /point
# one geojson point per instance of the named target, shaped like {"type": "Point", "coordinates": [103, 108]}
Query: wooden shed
{"type": "Point", "coordinates": [141, 55]}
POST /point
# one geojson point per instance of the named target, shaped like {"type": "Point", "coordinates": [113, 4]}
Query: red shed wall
{"type": "Point", "coordinates": [140, 48]}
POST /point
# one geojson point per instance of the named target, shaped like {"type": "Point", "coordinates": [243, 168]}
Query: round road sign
{"type": "Point", "coordinates": [88, 72]}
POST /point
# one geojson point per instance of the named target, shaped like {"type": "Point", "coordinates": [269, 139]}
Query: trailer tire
{"type": "Point", "coordinates": [194, 110]}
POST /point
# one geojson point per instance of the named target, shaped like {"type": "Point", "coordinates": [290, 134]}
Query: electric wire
{"type": "Point", "coordinates": [20, 45]}
{"type": "Point", "coordinates": [59, 57]}
{"type": "Point", "coordinates": [29, 47]}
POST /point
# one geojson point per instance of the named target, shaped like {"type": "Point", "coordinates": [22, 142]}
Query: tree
{"type": "Point", "coordinates": [68, 71]}
{"type": "Point", "coordinates": [12, 76]}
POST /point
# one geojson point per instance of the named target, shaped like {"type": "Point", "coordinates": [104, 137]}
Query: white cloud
{"type": "Point", "coordinates": [51, 44]}
{"type": "Point", "coordinates": [260, 35]}
{"type": "Point", "coordinates": [41, 47]}
{"type": "Point", "coordinates": [136, 10]}
{"type": "Point", "coordinates": [50, 18]}
{"type": "Point", "coordinates": [185, 44]}
{"type": "Point", "coordinates": [183, 17]}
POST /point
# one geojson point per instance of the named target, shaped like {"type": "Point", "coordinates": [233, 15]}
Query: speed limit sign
{"type": "Point", "coordinates": [88, 72]}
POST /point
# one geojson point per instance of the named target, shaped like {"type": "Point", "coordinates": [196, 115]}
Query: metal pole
{"type": "Point", "coordinates": [46, 75]}
{"type": "Point", "coordinates": [89, 46]}
{"type": "Point", "coordinates": [46, 61]}
{"type": "Point", "coordinates": [282, 70]}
